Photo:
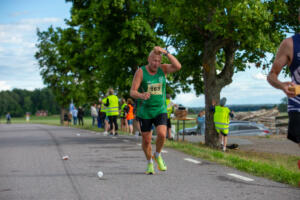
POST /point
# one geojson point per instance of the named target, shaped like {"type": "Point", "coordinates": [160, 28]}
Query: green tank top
{"type": "Point", "coordinates": [156, 86]}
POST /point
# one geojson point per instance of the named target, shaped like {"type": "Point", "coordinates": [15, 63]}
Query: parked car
{"type": "Point", "coordinates": [238, 128]}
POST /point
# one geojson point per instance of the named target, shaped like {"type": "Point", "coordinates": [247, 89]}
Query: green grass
{"type": "Point", "coordinates": [277, 167]}
{"type": "Point", "coordinates": [51, 120]}
{"type": "Point", "coordinates": [274, 166]}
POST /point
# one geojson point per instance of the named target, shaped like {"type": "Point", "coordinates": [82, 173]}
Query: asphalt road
{"type": "Point", "coordinates": [31, 167]}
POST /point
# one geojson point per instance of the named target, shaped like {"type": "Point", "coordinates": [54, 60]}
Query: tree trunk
{"type": "Point", "coordinates": [212, 92]}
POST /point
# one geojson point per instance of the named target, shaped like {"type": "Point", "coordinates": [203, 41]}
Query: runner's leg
{"type": "Point", "coordinates": [146, 144]}
{"type": "Point", "coordinates": [161, 137]}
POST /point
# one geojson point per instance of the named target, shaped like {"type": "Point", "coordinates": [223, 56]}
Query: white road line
{"type": "Point", "coordinates": [125, 140]}
{"type": "Point", "coordinates": [114, 137]}
{"type": "Point", "coordinates": [241, 177]}
{"type": "Point", "coordinates": [139, 144]}
{"type": "Point", "coordinates": [163, 151]}
{"type": "Point", "coordinates": [192, 160]}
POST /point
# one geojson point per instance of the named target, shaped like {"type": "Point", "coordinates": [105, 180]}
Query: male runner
{"type": "Point", "coordinates": [289, 54]}
{"type": "Point", "coordinates": [149, 85]}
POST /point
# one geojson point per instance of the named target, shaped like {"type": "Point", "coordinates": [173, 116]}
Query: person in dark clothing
{"type": "Point", "coordinates": [67, 119]}
{"type": "Point", "coordinates": [80, 116]}
{"type": "Point", "coordinates": [8, 118]}
{"type": "Point", "coordinates": [99, 122]}
{"type": "Point", "coordinates": [288, 55]}
{"type": "Point", "coordinates": [112, 111]}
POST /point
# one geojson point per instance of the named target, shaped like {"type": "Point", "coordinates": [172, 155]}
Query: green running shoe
{"type": "Point", "coordinates": [160, 163]}
{"type": "Point", "coordinates": [150, 169]}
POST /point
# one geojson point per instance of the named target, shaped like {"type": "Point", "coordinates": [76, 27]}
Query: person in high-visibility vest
{"type": "Point", "coordinates": [112, 111]}
{"type": "Point", "coordinates": [124, 123]}
{"type": "Point", "coordinates": [104, 117]}
{"type": "Point", "coordinates": [170, 110]}
{"type": "Point", "coordinates": [102, 113]}
{"type": "Point", "coordinates": [221, 120]}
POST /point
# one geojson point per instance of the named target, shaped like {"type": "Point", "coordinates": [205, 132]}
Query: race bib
{"type": "Point", "coordinates": [155, 89]}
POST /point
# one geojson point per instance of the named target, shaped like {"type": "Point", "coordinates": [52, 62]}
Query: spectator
{"type": "Point", "coordinates": [221, 120]}
{"type": "Point", "coordinates": [129, 116]}
{"type": "Point", "coordinates": [99, 116]}
{"type": "Point", "coordinates": [231, 114]}
{"type": "Point", "coordinates": [8, 118]}
{"type": "Point", "coordinates": [124, 108]}
{"type": "Point", "coordinates": [80, 116]}
{"type": "Point", "coordinates": [170, 110]}
{"type": "Point", "coordinates": [75, 115]}
{"type": "Point", "coordinates": [94, 114]}
{"type": "Point", "coordinates": [112, 104]}
{"type": "Point", "coordinates": [67, 118]}
{"type": "Point", "coordinates": [201, 122]}
{"type": "Point", "coordinates": [102, 113]}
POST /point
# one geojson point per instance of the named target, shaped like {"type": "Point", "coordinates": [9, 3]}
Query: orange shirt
{"type": "Point", "coordinates": [129, 115]}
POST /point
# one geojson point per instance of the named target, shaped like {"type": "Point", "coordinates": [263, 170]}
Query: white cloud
{"type": "Point", "coordinates": [259, 76]}
{"type": "Point", "coordinates": [24, 30]}
{"type": "Point", "coordinates": [189, 100]}
{"type": "Point", "coordinates": [4, 86]}
{"type": "Point", "coordinates": [18, 67]}
{"type": "Point", "coordinates": [244, 89]}
{"type": "Point", "coordinates": [16, 14]}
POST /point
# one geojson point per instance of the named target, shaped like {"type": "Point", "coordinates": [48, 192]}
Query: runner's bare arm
{"type": "Point", "coordinates": [282, 59]}
{"type": "Point", "coordinates": [169, 68]}
{"type": "Point", "coordinates": [136, 82]}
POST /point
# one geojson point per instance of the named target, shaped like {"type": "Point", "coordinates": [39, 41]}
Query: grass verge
{"type": "Point", "coordinates": [280, 168]}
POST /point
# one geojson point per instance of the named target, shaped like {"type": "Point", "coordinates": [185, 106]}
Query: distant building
{"type": "Point", "coordinates": [41, 113]}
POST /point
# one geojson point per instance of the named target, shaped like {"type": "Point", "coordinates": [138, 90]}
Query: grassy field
{"type": "Point", "coordinates": [277, 167]}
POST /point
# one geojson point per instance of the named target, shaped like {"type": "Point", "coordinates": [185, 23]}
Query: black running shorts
{"type": "Point", "coordinates": [169, 123]}
{"type": "Point", "coordinates": [146, 124]}
{"type": "Point", "coordinates": [294, 127]}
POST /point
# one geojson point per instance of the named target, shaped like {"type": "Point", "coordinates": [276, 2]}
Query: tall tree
{"type": "Point", "coordinates": [282, 107]}
{"type": "Point", "coordinates": [53, 55]}
{"type": "Point", "coordinates": [216, 38]}
{"type": "Point", "coordinates": [117, 38]}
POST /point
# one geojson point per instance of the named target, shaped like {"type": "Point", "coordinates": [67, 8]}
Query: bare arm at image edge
{"type": "Point", "coordinates": [282, 59]}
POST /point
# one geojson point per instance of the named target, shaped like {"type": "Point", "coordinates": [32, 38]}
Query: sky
{"type": "Point", "coordinates": [19, 20]}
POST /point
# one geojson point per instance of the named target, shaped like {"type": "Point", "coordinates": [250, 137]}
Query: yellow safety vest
{"type": "Point", "coordinates": [221, 119]}
{"type": "Point", "coordinates": [169, 107]}
{"type": "Point", "coordinates": [103, 107]}
{"type": "Point", "coordinates": [113, 107]}
{"type": "Point", "coordinates": [122, 110]}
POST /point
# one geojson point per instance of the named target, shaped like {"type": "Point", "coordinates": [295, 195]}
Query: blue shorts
{"type": "Point", "coordinates": [130, 122]}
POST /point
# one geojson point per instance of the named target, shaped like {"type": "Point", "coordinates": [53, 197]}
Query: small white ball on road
{"type": "Point", "coordinates": [65, 157]}
{"type": "Point", "coordinates": [100, 174]}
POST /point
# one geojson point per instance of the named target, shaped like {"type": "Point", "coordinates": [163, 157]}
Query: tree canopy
{"type": "Point", "coordinates": [106, 41]}
{"type": "Point", "coordinates": [216, 38]}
